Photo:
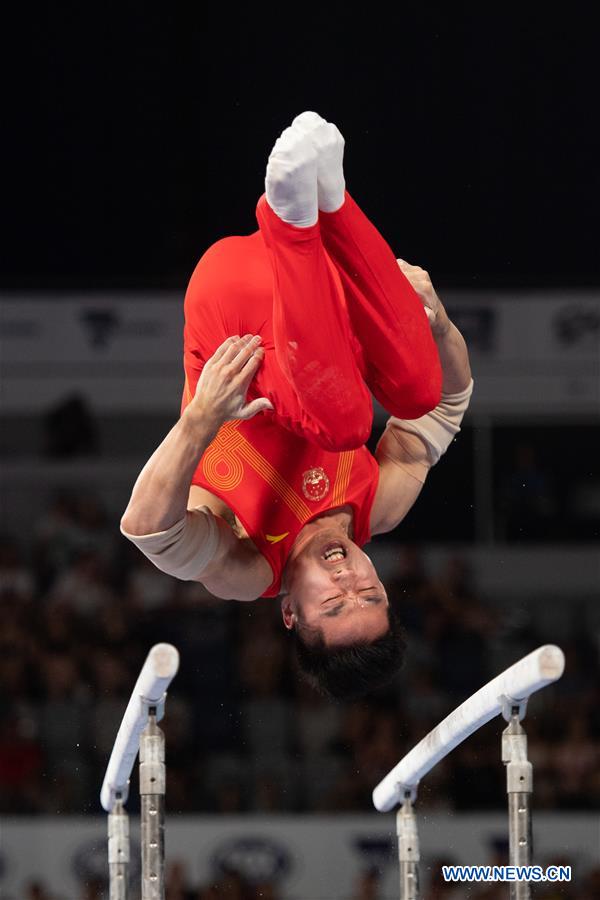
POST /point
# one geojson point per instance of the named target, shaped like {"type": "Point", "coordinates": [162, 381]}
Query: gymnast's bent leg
{"type": "Point", "coordinates": [313, 339]}
{"type": "Point", "coordinates": [402, 365]}
{"type": "Point", "coordinates": [398, 355]}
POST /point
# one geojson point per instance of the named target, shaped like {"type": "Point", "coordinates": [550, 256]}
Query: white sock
{"type": "Point", "coordinates": [291, 179]}
{"type": "Point", "coordinates": [329, 144]}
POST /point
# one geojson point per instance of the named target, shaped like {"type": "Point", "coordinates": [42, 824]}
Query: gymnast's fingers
{"type": "Point", "coordinates": [231, 353]}
{"type": "Point", "coordinates": [250, 368]}
{"type": "Point", "coordinates": [222, 349]}
{"type": "Point", "coordinates": [245, 352]}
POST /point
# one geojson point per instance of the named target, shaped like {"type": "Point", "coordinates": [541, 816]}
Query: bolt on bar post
{"type": "Point", "coordinates": [519, 785]}
{"type": "Point", "coordinates": [408, 850]}
{"type": "Point", "coordinates": [118, 851]}
{"type": "Point", "coordinates": [152, 793]}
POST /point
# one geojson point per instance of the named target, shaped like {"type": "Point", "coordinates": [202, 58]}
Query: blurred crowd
{"type": "Point", "coordinates": [80, 608]}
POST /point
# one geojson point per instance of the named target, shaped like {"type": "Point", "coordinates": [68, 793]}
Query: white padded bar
{"type": "Point", "coordinates": [542, 667]}
{"type": "Point", "coordinates": [157, 673]}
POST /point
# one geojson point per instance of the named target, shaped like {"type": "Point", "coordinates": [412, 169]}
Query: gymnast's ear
{"type": "Point", "coordinates": [287, 613]}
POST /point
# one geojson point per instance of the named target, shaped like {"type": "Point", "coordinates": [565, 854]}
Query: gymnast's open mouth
{"type": "Point", "coordinates": [334, 552]}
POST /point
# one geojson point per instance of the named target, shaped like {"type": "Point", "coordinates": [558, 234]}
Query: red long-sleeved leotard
{"type": "Point", "coordinates": [337, 318]}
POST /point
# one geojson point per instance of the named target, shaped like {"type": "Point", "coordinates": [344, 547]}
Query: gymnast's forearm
{"type": "Point", "coordinates": [160, 494]}
{"type": "Point", "coordinates": [454, 355]}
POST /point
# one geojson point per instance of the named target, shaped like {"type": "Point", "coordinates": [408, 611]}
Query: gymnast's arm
{"type": "Point", "coordinates": [193, 544]}
{"type": "Point", "coordinates": [408, 448]}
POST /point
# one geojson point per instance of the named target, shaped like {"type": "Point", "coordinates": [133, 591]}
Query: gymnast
{"type": "Point", "coordinates": [264, 487]}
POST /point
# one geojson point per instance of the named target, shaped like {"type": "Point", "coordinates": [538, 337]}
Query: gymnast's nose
{"type": "Point", "coordinates": [344, 575]}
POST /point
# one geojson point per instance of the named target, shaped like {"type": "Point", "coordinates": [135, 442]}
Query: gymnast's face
{"type": "Point", "coordinates": [333, 589]}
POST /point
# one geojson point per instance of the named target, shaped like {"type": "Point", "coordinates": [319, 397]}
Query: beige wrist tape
{"type": "Point", "coordinates": [438, 428]}
{"type": "Point", "coordinates": [406, 451]}
{"type": "Point", "coordinates": [185, 549]}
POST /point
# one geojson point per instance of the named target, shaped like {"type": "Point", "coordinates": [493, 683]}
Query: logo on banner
{"type": "Point", "coordinates": [576, 325]}
{"type": "Point", "coordinates": [103, 324]}
{"type": "Point", "coordinates": [376, 852]}
{"type": "Point", "coordinates": [254, 859]}
{"type": "Point", "coordinates": [100, 325]}
{"type": "Point", "coordinates": [478, 325]}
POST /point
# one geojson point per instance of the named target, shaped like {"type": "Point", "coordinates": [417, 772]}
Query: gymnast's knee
{"type": "Point", "coordinates": [426, 397]}
{"type": "Point", "coordinates": [411, 400]}
{"type": "Point", "coordinates": [349, 434]}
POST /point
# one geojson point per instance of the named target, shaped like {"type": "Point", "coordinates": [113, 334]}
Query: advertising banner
{"type": "Point", "coordinates": [531, 353]}
{"type": "Point", "coordinates": [303, 857]}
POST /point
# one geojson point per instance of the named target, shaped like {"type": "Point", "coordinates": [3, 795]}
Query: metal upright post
{"type": "Point", "coordinates": [408, 850]}
{"type": "Point", "coordinates": [118, 851]}
{"type": "Point", "coordinates": [519, 785]}
{"type": "Point", "coordinates": [152, 793]}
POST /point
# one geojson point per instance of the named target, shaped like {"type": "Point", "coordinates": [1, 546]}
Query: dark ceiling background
{"type": "Point", "coordinates": [139, 135]}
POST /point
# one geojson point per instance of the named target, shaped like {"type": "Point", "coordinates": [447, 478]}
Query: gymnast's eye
{"type": "Point", "coordinates": [331, 611]}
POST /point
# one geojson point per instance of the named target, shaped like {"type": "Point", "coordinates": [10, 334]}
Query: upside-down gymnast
{"type": "Point", "coordinates": [264, 487]}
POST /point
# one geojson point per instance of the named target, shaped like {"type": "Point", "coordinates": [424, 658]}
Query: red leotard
{"type": "Point", "coordinates": [337, 318]}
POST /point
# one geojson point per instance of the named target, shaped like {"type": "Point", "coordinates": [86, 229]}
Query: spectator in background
{"type": "Point", "coordinates": [147, 587]}
{"type": "Point", "coordinates": [63, 717]}
{"type": "Point", "coordinates": [21, 764]}
{"type": "Point", "coordinates": [576, 759]}
{"type": "Point", "coordinates": [591, 885]}
{"type": "Point", "coordinates": [84, 585]}
{"type": "Point", "coordinates": [439, 889]}
{"type": "Point", "coordinates": [266, 890]}
{"type": "Point", "coordinates": [17, 649]}
{"type": "Point", "coordinates": [36, 890]}
{"type": "Point", "coordinates": [465, 627]}
{"type": "Point", "coordinates": [381, 748]}
{"type": "Point", "coordinates": [477, 780]}
{"type": "Point", "coordinates": [350, 791]}
{"type": "Point", "coordinates": [16, 577]}
{"type": "Point", "coordinates": [111, 687]}
{"type": "Point", "coordinates": [183, 755]}
{"type": "Point", "coordinates": [527, 502]}
{"type": "Point", "coordinates": [267, 719]}
{"type": "Point", "coordinates": [368, 886]}
{"type": "Point", "coordinates": [177, 884]}
{"type": "Point", "coordinates": [231, 886]}
{"type": "Point", "coordinates": [57, 538]}
{"type": "Point", "coordinates": [70, 429]}
{"type": "Point", "coordinates": [498, 850]}
{"type": "Point", "coordinates": [75, 524]}
{"type": "Point", "coordinates": [408, 588]}
{"type": "Point", "coordinates": [92, 890]}
{"type": "Point", "coordinates": [423, 700]}
{"type": "Point", "coordinates": [94, 527]}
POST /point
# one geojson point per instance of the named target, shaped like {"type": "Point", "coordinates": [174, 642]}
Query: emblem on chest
{"type": "Point", "coordinates": [315, 484]}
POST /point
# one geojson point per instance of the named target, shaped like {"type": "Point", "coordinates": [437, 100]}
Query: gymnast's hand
{"type": "Point", "coordinates": [225, 379]}
{"type": "Point", "coordinates": [421, 282]}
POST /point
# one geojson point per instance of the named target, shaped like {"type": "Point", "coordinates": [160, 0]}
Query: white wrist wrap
{"type": "Point", "coordinates": [438, 428]}
{"type": "Point", "coordinates": [185, 549]}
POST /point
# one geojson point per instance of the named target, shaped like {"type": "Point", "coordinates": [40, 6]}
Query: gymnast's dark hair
{"type": "Point", "coordinates": [349, 672]}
